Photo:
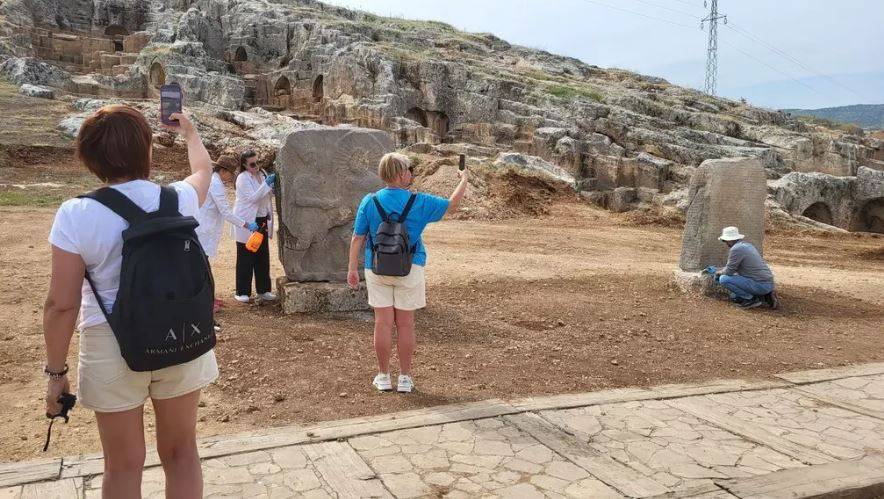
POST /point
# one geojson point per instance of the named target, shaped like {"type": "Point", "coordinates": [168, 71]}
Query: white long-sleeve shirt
{"type": "Point", "coordinates": [253, 196]}
{"type": "Point", "coordinates": [212, 215]}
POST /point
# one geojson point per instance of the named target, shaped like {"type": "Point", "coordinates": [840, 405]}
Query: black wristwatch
{"type": "Point", "coordinates": [55, 375]}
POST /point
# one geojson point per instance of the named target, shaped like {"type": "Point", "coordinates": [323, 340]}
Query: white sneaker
{"type": "Point", "coordinates": [405, 384]}
{"type": "Point", "coordinates": [268, 296]}
{"type": "Point", "coordinates": [241, 298]}
{"type": "Point", "coordinates": [383, 382]}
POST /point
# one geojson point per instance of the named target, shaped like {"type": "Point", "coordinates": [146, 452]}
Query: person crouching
{"type": "Point", "coordinates": [746, 276]}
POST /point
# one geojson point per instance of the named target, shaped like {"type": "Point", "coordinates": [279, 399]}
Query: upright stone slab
{"type": "Point", "coordinates": [323, 175]}
{"type": "Point", "coordinates": [723, 192]}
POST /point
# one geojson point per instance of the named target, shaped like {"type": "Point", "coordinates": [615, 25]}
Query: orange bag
{"type": "Point", "coordinates": [255, 241]}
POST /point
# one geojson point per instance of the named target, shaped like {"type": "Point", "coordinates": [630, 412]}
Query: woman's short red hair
{"type": "Point", "coordinates": [114, 144]}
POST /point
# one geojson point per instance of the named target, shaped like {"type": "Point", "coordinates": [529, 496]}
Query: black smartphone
{"type": "Point", "coordinates": [463, 162]}
{"type": "Point", "coordinates": [171, 99]}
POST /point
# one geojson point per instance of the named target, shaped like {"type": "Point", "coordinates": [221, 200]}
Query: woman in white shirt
{"type": "Point", "coordinates": [254, 203]}
{"type": "Point", "coordinates": [216, 210]}
{"type": "Point", "coordinates": [115, 144]}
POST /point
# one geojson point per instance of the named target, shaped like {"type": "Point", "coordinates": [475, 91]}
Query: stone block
{"type": "Point", "coordinates": [723, 192]}
{"type": "Point", "coordinates": [587, 184]}
{"type": "Point", "coordinates": [136, 41]}
{"type": "Point", "coordinates": [651, 171]}
{"type": "Point", "coordinates": [646, 195]}
{"type": "Point", "coordinates": [320, 297]}
{"type": "Point", "coordinates": [323, 175]}
{"type": "Point", "coordinates": [607, 171]}
{"type": "Point", "coordinates": [699, 283]}
{"type": "Point", "coordinates": [621, 199]}
{"type": "Point", "coordinates": [37, 91]}
{"type": "Point", "coordinates": [108, 61]}
{"type": "Point", "coordinates": [595, 197]}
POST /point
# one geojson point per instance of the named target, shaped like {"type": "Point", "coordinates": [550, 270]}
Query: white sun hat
{"type": "Point", "coordinates": [730, 234]}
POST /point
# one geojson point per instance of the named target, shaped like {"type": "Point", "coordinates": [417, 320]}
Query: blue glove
{"type": "Point", "coordinates": [710, 269]}
{"type": "Point", "coordinates": [271, 179]}
{"type": "Point", "coordinates": [253, 226]}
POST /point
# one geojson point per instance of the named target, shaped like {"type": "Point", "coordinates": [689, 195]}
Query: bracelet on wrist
{"type": "Point", "coordinates": [55, 374]}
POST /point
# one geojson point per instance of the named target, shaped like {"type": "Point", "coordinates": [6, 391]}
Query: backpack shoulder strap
{"type": "Point", "coordinates": [117, 202]}
{"type": "Point", "coordinates": [168, 202]}
{"type": "Point", "coordinates": [407, 207]}
{"type": "Point", "coordinates": [380, 208]}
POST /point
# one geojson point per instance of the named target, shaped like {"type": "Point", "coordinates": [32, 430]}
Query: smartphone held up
{"type": "Point", "coordinates": [462, 162]}
{"type": "Point", "coordinates": [171, 101]}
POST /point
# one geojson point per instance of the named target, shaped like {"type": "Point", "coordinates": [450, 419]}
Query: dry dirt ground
{"type": "Point", "coordinates": [576, 300]}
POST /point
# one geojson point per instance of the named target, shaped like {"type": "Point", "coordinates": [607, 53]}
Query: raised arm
{"type": "Point", "coordinates": [459, 191]}
{"type": "Point", "coordinates": [246, 192]}
{"type": "Point", "coordinates": [200, 162]}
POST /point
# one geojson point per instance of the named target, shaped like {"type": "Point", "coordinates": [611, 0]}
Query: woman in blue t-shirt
{"type": "Point", "coordinates": [394, 299]}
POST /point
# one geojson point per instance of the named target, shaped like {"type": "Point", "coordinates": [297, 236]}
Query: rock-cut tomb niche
{"type": "Point", "coordinates": [820, 212]}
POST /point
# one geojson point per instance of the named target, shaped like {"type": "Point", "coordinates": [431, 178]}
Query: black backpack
{"type": "Point", "coordinates": [162, 315]}
{"type": "Point", "coordinates": [391, 251]}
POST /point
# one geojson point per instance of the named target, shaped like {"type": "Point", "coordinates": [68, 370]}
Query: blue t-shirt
{"type": "Point", "coordinates": [426, 209]}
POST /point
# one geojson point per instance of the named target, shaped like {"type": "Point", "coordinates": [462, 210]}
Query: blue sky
{"type": "Point", "coordinates": [775, 53]}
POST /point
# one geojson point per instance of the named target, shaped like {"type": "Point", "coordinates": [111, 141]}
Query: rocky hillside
{"type": "Point", "coordinates": [619, 138]}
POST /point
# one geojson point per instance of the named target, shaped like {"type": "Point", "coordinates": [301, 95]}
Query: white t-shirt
{"type": "Point", "coordinates": [91, 230]}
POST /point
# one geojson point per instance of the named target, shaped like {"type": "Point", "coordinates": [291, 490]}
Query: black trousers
{"type": "Point", "coordinates": [257, 264]}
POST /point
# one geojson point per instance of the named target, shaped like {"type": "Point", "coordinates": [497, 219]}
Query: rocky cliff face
{"type": "Point", "coordinates": [425, 82]}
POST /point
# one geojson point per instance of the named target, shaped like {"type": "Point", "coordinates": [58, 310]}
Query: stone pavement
{"type": "Point", "coordinates": [804, 434]}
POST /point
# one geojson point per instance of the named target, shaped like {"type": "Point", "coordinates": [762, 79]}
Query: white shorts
{"type": "Point", "coordinates": [106, 384]}
{"type": "Point", "coordinates": [404, 293]}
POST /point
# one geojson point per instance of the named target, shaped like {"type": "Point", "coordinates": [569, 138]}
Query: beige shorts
{"type": "Point", "coordinates": [403, 293]}
{"type": "Point", "coordinates": [106, 384]}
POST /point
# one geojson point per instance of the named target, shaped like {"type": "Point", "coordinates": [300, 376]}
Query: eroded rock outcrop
{"type": "Point", "coordinates": [633, 138]}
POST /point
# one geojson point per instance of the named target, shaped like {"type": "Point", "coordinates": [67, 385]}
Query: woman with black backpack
{"type": "Point", "coordinates": [133, 346]}
{"type": "Point", "coordinates": [392, 220]}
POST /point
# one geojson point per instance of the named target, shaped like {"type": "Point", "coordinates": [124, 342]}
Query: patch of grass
{"type": "Point", "coordinates": [31, 197]}
{"type": "Point", "coordinates": [538, 75]}
{"type": "Point", "coordinates": [574, 92]}
{"type": "Point", "coordinates": [402, 54]}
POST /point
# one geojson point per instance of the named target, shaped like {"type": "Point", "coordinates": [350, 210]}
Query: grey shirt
{"type": "Point", "coordinates": [744, 259]}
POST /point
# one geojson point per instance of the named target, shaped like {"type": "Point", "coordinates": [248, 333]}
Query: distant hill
{"type": "Point", "coordinates": [864, 115]}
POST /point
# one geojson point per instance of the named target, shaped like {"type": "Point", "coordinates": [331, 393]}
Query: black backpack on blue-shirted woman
{"type": "Point", "coordinates": [162, 315]}
{"type": "Point", "coordinates": [391, 249]}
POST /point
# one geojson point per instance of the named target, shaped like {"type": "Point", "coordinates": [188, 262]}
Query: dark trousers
{"type": "Point", "coordinates": [257, 264]}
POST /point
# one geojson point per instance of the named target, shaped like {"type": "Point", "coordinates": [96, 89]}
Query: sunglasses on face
{"type": "Point", "coordinates": [252, 164]}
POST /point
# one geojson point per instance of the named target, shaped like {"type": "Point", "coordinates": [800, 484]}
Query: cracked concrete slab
{"type": "Point", "coordinates": [487, 457]}
{"type": "Point", "coordinates": [803, 420]}
{"type": "Point", "coordinates": [667, 445]}
{"type": "Point", "coordinates": [821, 433]}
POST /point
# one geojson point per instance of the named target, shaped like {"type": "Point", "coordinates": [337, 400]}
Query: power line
{"type": "Point", "coordinates": [759, 61]}
{"type": "Point", "coordinates": [778, 51]}
{"type": "Point", "coordinates": [747, 54]}
{"type": "Point", "coordinates": [693, 16]}
{"type": "Point", "coordinates": [690, 4]}
{"type": "Point", "coordinates": [639, 14]}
